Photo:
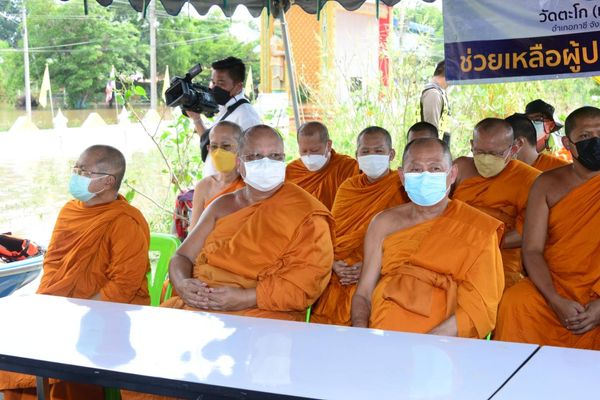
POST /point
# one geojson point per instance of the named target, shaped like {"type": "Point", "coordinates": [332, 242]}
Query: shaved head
{"type": "Point", "coordinates": [495, 128]}
{"type": "Point", "coordinates": [427, 148]}
{"type": "Point", "coordinates": [523, 127]}
{"type": "Point", "coordinates": [260, 134]}
{"type": "Point", "coordinates": [314, 128]}
{"type": "Point", "coordinates": [422, 130]}
{"type": "Point", "coordinates": [576, 116]}
{"type": "Point", "coordinates": [107, 159]}
{"type": "Point", "coordinates": [375, 130]}
{"type": "Point", "coordinates": [227, 127]}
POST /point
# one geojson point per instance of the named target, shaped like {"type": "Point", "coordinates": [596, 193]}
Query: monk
{"type": "Point", "coordinates": [358, 199]}
{"type": "Point", "coordinates": [432, 265]}
{"type": "Point", "coordinates": [559, 304]}
{"type": "Point", "coordinates": [320, 170]}
{"type": "Point", "coordinates": [498, 185]}
{"type": "Point", "coordinates": [224, 137]}
{"type": "Point", "coordinates": [526, 141]}
{"type": "Point", "coordinates": [421, 130]}
{"type": "Point", "coordinates": [265, 250]}
{"type": "Point", "coordinates": [98, 250]}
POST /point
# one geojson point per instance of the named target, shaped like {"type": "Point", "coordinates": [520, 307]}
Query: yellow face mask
{"type": "Point", "coordinates": [489, 165]}
{"type": "Point", "coordinates": [223, 160]}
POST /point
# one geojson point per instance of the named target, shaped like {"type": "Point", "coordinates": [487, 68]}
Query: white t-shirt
{"type": "Point", "coordinates": [245, 115]}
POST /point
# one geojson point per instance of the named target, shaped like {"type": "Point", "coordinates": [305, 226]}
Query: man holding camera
{"type": "Point", "coordinates": [227, 86]}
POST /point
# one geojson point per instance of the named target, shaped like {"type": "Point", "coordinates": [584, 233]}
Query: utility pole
{"type": "Point", "coordinates": [26, 63]}
{"type": "Point", "coordinates": [152, 22]}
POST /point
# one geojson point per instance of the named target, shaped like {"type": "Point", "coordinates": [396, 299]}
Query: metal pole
{"type": "Point", "coordinates": [50, 95]}
{"type": "Point", "coordinates": [152, 21]}
{"type": "Point", "coordinates": [290, 67]}
{"type": "Point", "coordinates": [26, 63]}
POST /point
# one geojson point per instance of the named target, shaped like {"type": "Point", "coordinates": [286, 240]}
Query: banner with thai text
{"type": "Point", "coordinates": [516, 40]}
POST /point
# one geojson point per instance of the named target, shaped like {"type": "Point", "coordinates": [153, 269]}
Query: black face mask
{"type": "Point", "coordinates": [221, 95]}
{"type": "Point", "coordinates": [589, 153]}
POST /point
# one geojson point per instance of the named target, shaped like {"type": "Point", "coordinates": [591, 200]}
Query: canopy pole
{"type": "Point", "coordinates": [153, 79]}
{"type": "Point", "coordinates": [289, 62]}
{"type": "Point", "coordinates": [26, 62]}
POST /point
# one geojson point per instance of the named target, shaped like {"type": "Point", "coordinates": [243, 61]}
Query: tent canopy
{"type": "Point", "coordinates": [255, 7]}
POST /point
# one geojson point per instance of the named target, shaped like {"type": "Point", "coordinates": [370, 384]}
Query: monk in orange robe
{"type": "Point", "coordinates": [432, 265]}
{"type": "Point", "coordinates": [225, 137]}
{"type": "Point", "coordinates": [358, 199]}
{"type": "Point", "coordinates": [320, 170]}
{"type": "Point", "coordinates": [98, 250]}
{"type": "Point", "coordinates": [494, 183]}
{"type": "Point", "coordinates": [559, 304]}
{"type": "Point", "coordinates": [525, 140]}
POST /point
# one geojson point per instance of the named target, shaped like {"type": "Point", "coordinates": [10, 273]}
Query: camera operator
{"type": "Point", "coordinates": [227, 86]}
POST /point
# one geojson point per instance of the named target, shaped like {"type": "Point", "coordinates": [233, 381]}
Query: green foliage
{"type": "Point", "coordinates": [10, 19]}
{"type": "Point", "coordinates": [107, 36]}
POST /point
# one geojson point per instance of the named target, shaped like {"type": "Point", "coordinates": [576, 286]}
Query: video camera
{"type": "Point", "coordinates": [191, 96]}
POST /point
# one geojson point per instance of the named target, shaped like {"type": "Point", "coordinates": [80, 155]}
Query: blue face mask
{"type": "Point", "coordinates": [425, 188]}
{"type": "Point", "coordinates": [79, 187]}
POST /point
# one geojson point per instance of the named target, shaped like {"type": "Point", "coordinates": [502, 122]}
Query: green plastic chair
{"type": "Point", "coordinates": [166, 245]}
{"type": "Point", "coordinates": [308, 311]}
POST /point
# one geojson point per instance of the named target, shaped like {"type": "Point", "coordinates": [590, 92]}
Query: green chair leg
{"type": "Point", "coordinates": [489, 336]}
{"type": "Point", "coordinates": [112, 394]}
{"type": "Point", "coordinates": [308, 311]}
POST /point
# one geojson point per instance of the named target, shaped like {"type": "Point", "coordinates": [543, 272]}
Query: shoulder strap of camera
{"type": "Point", "coordinates": [232, 108]}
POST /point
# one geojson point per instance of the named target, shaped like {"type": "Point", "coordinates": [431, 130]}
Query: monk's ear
{"type": "Point", "coordinates": [566, 142]}
{"type": "Point", "coordinates": [329, 145]}
{"type": "Point", "coordinates": [519, 143]}
{"type": "Point", "coordinates": [453, 174]}
{"type": "Point", "coordinates": [392, 155]}
{"type": "Point", "coordinates": [401, 175]}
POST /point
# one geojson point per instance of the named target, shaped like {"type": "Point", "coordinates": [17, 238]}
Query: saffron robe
{"type": "Point", "coordinates": [232, 187]}
{"type": "Point", "coordinates": [503, 197]}
{"type": "Point", "coordinates": [448, 265]}
{"type": "Point", "coordinates": [324, 183]}
{"type": "Point", "coordinates": [101, 250]}
{"type": "Point", "coordinates": [546, 162]}
{"type": "Point", "coordinates": [356, 203]}
{"type": "Point", "coordinates": [572, 253]}
{"type": "Point", "coordinates": [282, 246]}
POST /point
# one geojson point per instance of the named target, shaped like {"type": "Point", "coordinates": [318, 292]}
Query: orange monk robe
{"type": "Point", "coordinates": [546, 162]}
{"type": "Point", "coordinates": [356, 203]}
{"type": "Point", "coordinates": [445, 266]}
{"type": "Point", "coordinates": [572, 253]}
{"type": "Point", "coordinates": [324, 183]}
{"type": "Point", "coordinates": [282, 246]}
{"type": "Point", "coordinates": [504, 197]}
{"type": "Point", "coordinates": [232, 187]}
{"type": "Point", "coordinates": [101, 250]}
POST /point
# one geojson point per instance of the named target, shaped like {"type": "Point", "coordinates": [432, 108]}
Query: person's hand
{"type": "Point", "coordinates": [228, 298]}
{"type": "Point", "coordinates": [194, 293]}
{"type": "Point", "coordinates": [194, 116]}
{"type": "Point", "coordinates": [566, 310]}
{"type": "Point", "coordinates": [338, 267]}
{"type": "Point", "coordinates": [587, 320]}
{"type": "Point", "coordinates": [351, 274]}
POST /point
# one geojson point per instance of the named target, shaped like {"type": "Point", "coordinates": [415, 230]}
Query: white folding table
{"type": "Point", "coordinates": [555, 373]}
{"type": "Point", "coordinates": [185, 354]}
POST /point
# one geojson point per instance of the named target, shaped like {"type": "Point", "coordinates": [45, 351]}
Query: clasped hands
{"type": "Point", "coordinates": [576, 317]}
{"type": "Point", "coordinates": [347, 274]}
{"type": "Point", "coordinates": [198, 294]}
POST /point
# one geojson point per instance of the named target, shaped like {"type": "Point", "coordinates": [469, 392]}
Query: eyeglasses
{"type": "Point", "coordinates": [256, 156]}
{"type": "Point", "coordinates": [83, 172]}
{"type": "Point", "coordinates": [500, 154]}
{"type": "Point", "coordinates": [215, 147]}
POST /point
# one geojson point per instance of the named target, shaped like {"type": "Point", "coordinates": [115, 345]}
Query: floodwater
{"type": "Point", "coordinates": [42, 117]}
{"type": "Point", "coordinates": [36, 167]}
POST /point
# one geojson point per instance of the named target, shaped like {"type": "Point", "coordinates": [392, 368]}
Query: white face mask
{"type": "Point", "coordinates": [314, 162]}
{"type": "Point", "coordinates": [540, 131]}
{"type": "Point", "coordinates": [374, 165]}
{"type": "Point", "coordinates": [264, 174]}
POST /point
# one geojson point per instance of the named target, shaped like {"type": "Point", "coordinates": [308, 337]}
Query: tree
{"type": "Point", "coordinates": [10, 18]}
